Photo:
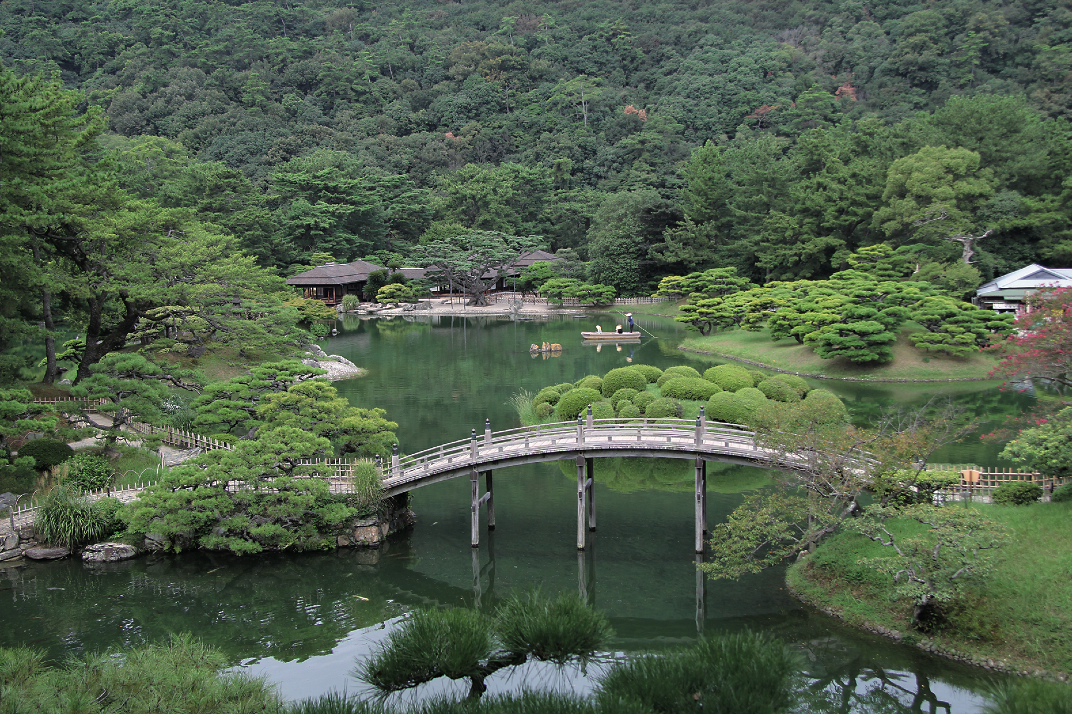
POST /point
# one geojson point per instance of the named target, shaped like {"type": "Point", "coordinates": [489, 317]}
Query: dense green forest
{"type": "Point", "coordinates": [653, 139]}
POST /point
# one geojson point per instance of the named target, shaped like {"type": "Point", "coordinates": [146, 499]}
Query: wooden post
{"type": "Point", "coordinates": [582, 532]}
{"type": "Point", "coordinates": [472, 445]}
{"type": "Point", "coordinates": [487, 431]}
{"type": "Point", "coordinates": [580, 430]}
{"type": "Point", "coordinates": [589, 422]}
{"type": "Point", "coordinates": [703, 490]}
{"type": "Point", "coordinates": [490, 495]}
{"type": "Point", "coordinates": [699, 434]}
{"type": "Point", "coordinates": [474, 516]}
{"type": "Point", "coordinates": [590, 486]}
{"type": "Point", "coordinates": [476, 578]}
{"type": "Point", "coordinates": [699, 506]}
{"type": "Point", "coordinates": [703, 418]}
{"type": "Point", "coordinates": [394, 461]}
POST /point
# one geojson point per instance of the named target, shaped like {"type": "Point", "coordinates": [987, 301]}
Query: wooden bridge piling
{"type": "Point", "coordinates": [474, 481]}
{"type": "Point", "coordinates": [590, 486]}
{"type": "Point", "coordinates": [490, 495]}
{"type": "Point", "coordinates": [701, 503]}
{"type": "Point", "coordinates": [582, 531]}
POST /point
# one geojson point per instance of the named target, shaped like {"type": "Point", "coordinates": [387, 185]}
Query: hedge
{"type": "Point", "coordinates": [680, 370]}
{"type": "Point", "coordinates": [643, 399]}
{"type": "Point", "coordinates": [47, 452]}
{"type": "Point", "coordinates": [663, 408]}
{"type": "Point", "coordinates": [544, 410]}
{"type": "Point", "coordinates": [561, 388]}
{"type": "Point", "coordinates": [799, 384]}
{"type": "Point", "coordinates": [651, 374]}
{"type": "Point", "coordinates": [629, 411]}
{"type": "Point", "coordinates": [690, 388]}
{"type": "Point", "coordinates": [753, 396]}
{"type": "Point", "coordinates": [589, 382]}
{"type": "Point", "coordinates": [778, 390]}
{"type": "Point", "coordinates": [623, 378]}
{"type": "Point", "coordinates": [1016, 493]}
{"type": "Point", "coordinates": [757, 376]}
{"type": "Point", "coordinates": [546, 395]}
{"type": "Point", "coordinates": [1062, 493]}
{"type": "Point", "coordinates": [573, 401]}
{"type": "Point", "coordinates": [602, 410]}
{"type": "Point", "coordinates": [626, 394]}
{"type": "Point", "coordinates": [729, 407]}
{"type": "Point", "coordinates": [730, 377]}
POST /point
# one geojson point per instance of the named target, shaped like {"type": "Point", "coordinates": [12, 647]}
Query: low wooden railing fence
{"type": "Point", "coordinates": [984, 479]}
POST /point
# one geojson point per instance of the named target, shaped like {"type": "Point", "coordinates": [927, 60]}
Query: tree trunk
{"type": "Point", "coordinates": [98, 344]}
{"type": "Point", "coordinates": [477, 299]}
{"type": "Point", "coordinates": [50, 336]}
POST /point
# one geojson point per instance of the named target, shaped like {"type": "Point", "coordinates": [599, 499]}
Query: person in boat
{"type": "Point", "coordinates": [599, 329]}
{"type": "Point", "coordinates": [629, 317]}
{"type": "Point", "coordinates": [618, 329]}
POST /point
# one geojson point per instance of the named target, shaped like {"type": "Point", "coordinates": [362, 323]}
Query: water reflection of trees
{"type": "Point", "coordinates": [629, 475]}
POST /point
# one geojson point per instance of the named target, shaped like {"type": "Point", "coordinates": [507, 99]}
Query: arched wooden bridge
{"type": "Point", "coordinates": [581, 441]}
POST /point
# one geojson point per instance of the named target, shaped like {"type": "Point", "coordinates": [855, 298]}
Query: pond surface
{"type": "Point", "coordinates": [303, 619]}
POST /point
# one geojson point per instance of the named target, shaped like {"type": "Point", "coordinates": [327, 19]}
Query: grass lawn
{"type": "Point", "coordinates": [908, 362]}
{"type": "Point", "coordinates": [1021, 615]}
{"type": "Point", "coordinates": [222, 364]}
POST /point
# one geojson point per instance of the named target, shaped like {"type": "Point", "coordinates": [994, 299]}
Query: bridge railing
{"type": "Point", "coordinates": [569, 433]}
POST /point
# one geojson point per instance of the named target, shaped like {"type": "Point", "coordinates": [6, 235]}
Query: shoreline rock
{"type": "Point", "coordinates": [108, 552]}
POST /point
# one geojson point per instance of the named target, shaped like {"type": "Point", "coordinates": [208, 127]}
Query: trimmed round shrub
{"type": "Point", "coordinates": [89, 472]}
{"type": "Point", "coordinates": [629, 411]}
{"type": "Point", "coordinates": [627, 394]}
{"type": "Point", "coordinates": [824, 400]}
{"type": "Point", "coordinates": [590, 382]}
{"type": "Point", "coordinates": [799, 385]}
{"type": "Point", "coordinates": [664, 408]}
{"type": "Point", "coordinates": [643, 399]}
{"type": "Point", "coordinates": [602, 410]}
{"type": "Point", "coordinates": [47, 452]}
{"type": "Point", "coordinates": [731, 408]}
{"type": "Point", "coordinates": [546, 396]}
{"type": "Point", "coordinates": [1016, 493]}
{"type": "Point", "coordinates": [1062, 494]}
{"type": "Point", "coordinates": [752, 395]}
{"type": "Point", "coordinates": [729, 376]}
{"type": "Point", "coordinates": [757, 376]}
{"type": "Point", "coordinates": [690, 388]}
{"type": "Point", "coordinates": [575, 400]}
{"type": "Point", "coordinates": [778, 390]}
{"type": "Point", "coordinates": [561, 388]}
{"type": "Point", "coordinates": [623, 378]}
{"type": "Point", "coordinates": [544, 410]}
{"type": "Point", "coordinates": [680, 370]}
{"type": "Point", "coordinates": [651, 374]}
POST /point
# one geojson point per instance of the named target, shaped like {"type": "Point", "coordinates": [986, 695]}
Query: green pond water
{"type": "Point", "coordinates": [303, 619]}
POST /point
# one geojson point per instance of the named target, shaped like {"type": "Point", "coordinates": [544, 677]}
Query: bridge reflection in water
{"type": "Point", "coordinates": [582, 441]}
{"type": "Point", "coordinates": [484, 579]}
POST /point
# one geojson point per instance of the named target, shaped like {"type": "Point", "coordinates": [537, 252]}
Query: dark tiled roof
{"type": "Point", "coordinates": [335, 274]}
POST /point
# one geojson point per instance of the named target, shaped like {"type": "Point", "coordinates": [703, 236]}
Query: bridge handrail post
{"type": "Point", "coordinates": [487, 431]}
{"type": "Point", "coordinates": [580, 430]}
{"type": "Point", "coordinates": [703, 418]}
{"type": "Point", "coordinates": [472, 445]}
{"type": "Point", "coordinates": [699, 432]}
{"type": "Point", "coordinates": [395, 471]}
{"type": "Point", "coordinates": [589, 420]}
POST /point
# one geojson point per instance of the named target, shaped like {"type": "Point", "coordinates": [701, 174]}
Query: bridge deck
{"type": "Point", "coordinates": [671, 438]}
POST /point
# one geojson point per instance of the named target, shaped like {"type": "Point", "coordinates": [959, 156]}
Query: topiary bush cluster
{"type": "Point", "coordinates": [623, 378]}
{"type": "Point", "coordinates": [690, 388]}
{"type": "Point", "coordinates": [728, 392]}
{"type": "Point", "coordinates": [46, 453]}
{"type": "Point", "coordinates": [1062, 494]}
{"type": "Point", "coordinates": [574, 401]}
{"type": "Point", "coordinates": [1017, 493]}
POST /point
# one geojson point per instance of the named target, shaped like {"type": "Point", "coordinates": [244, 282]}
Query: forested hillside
{"type": "Point", "coordinates": [653, 138]}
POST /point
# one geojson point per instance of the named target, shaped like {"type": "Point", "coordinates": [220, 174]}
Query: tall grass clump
{"type": "Point", "coordinates": [68, 520]}
{"type": "Point", "coordinates": [366, 487]}
{"type": "Point", "coordinates": [743, 673]}
{"type": "Point", "coordinates": [182, 677]}
{"type": "Point", "coordinates": [521, 401]}
{"type": "Point", "coordinates": [350, 302]}
{"type": "Point", "coordinates": [333, 703]}
{"type": "Point", "coordinates": [523, 702]}
{"type": "Point", "coordinates": [1029, 696]}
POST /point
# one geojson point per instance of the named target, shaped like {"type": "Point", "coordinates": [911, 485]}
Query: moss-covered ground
{"type": "Point", "coordinates": [908, 362]}
{"type": "Point", "coordinates": [1021, 615]}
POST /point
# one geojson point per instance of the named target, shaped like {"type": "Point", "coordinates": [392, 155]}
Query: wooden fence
{"type": "Point", "coordinates": [982, 480]}
{"type": "Point", "coordinates": [58, 402]}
